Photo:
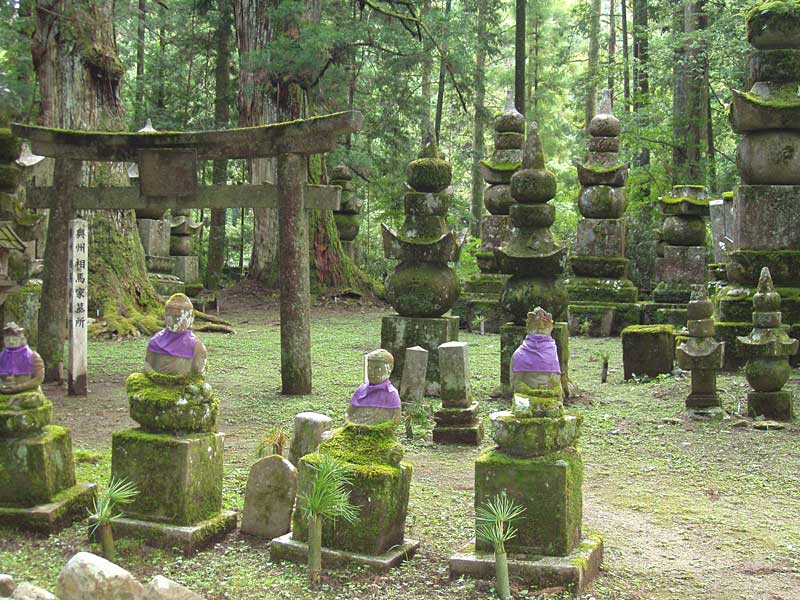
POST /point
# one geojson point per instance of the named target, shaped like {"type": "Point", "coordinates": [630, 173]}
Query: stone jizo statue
{"type": "Point", "coordinates": [175, 350]}
{"type": "Point", "coordinates": [21, 369]}
{"type": "Point", "coordinates": [377, 400]}
{"type": "Point", "coordinates": [535, 363]}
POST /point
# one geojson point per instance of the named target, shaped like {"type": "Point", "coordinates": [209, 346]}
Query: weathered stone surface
{"type": "Point", "coordinates": [269, 497]}
{"type": "Point", "coordinates": [497, 198]}
{"type": "Point", "coordinates": [779, 65]}
{"type": "Point", "coordinates": [454, 375]}
{"type": "Point", "coordinates": [89, 576]}
{"type": "Point", "coordinates": [770, 157]}
{"type": "Point", "coordinates": [187, 268]}
{"type": "Point", "coordinates": [373, 415]}
{"type": "Point", "coordinates": [682, 264]}
{"type": "Point", "coordinates": [774, 29]}
{"type": "Point", "coordinates": [602, 202]}
{"type": "Point", "coordinates": [309, 428]}
{"type": "Point", "coordinates": [415, 366]}
{"type": "Point", "coordinates": [161, 588]}
{"type": "Point", "coordinates": [7, 585]}
{"type": "Point", "coordinates": [601, 237]}
{"type": "Point", "coordinates": [771, 405]}
{"type": "Point", "coordinates": [767, 217]}
{"type": "Point", "coordinates": [533, 436]}
{"type": "Point", "coordinates": [154, 234]}
{"type": "Point", "coordinates": [26, 591]}
{"type": "Point", "coordinates": [684, 230]}
{"type": "Point", "coordinates": [647, 350]}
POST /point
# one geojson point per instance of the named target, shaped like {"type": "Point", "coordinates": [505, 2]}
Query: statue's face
{"type": "Point", "coordinates": [178, 319]}
{"type": "Point", "coordinates": [377, 371]}
{"type": "Point", "coordinates": [13, 341]}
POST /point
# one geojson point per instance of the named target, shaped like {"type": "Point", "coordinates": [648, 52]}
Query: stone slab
{"type": "Point", "coordinates": [454, 386]}
{"type": "Point", "coordinates": [600, 237]}
{"type": "Point", "coordinates": [777, 406]}
{"type": "Point", "coordinates": [682, 264]}
{"type": "Point", "coordinates": [309, 428]}
{"type": "Point", "coordinates": [187, 268]}
{"type": "Point", "coordinates": [574, 572]}
{"type": "Point", "coordinates": [467, 435]}
{"type": "Point", "coordinates": [154, 234]}
{"type": "Point", "coordinates": [285, 548]}
{"type": "Point", "coordinates": [494, 232]}
{"type": "Point", "coordinates": [415, 366]}
{"type": "Point", "coordinates": [187, 538]}
{"type": "Point", "coordinates": [70, 505]}
{"type": "Point", "coordinates": [269, 498]}
{"type": "Point", "coordinates": [767, 217]}
{"type": "Point", "coordinates": [166, 285]}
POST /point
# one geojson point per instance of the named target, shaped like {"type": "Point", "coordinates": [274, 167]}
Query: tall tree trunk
{"type": "Point", "coordinates": [641, 76]}
{"type": "Point", "coordinates": [79, 73]}
{"type": "Point", "coordinates": [592, 64]}
{"type": "Point", "coordinates": [140, 28]}
{"type": "Point", "coordinates": [437, 124]}
{"type": "Point", "coordinates": [626, 73]}
{"type": "Point", "coordinates": [222, 92]}
{"type": "Point", "coordinates": [612, 43]}
{"type": "Point", "coordinates": [534, 28]}
{"type": "Point", "coordinates": [478, 142]}
{"type": "Point", "coordinates": [680, 117]}
{"type": "Point", "coordinates": [519, 56]}
{"type": "Point", "coordinates": [696, 22]}
{"type": "Point", "coordinates": [427, 71]}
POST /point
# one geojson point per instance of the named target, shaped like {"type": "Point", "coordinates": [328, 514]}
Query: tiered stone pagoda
{"type": "Point", "coordinates": [767, 219]}
{"type": "Point", "coordinates": [422, 288]}
{"type": "Point", "coordinates": [37, 474]}
{"type": "Point", "coordinates": [683, 263]}
{"type": "Point", "coordinates": [175, 456]}
{"type": "Point", "coordinates": [481, 297]}
{"type": "Point", "coordinates": [347, 218]}
{"type": "Point", "coordinates": [702, 355]}
{"type": "Point", "coordinates": [533, 257]}
{"type": "Point", "coordinates": [538, 466]}
{"type": "Point", "coordinates": [768, 348]}
{"type": "Point", "coordinates": [183, 231]}
{"type": "Point", "coordinates": [381, 481]}
{"type": "Point", "coordinates": [602, 299]}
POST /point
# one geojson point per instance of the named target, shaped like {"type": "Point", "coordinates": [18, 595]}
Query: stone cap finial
{"type": "Point", "coordinates": [766, 299]}
{"type": "Point", "coordinates": [429, 147]}
{"type": "Point", "coordinates": [11, 328]}
{"type": "Point", "coordinates": [148, 127]}
{"type": "Point", "coordinates": [510, 120]}
{"type": "Point", "coordinates": [533, 153]}
{"type": "Point", "coordinates": [606, 104]}
{"type": "Point", "coordinates": [539, 321]}
{"type": "Point", "coordinates": [604, 123]}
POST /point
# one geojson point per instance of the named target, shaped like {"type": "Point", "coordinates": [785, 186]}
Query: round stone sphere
{"type": "Point", "coordinates": [767, 374]}
{"type": "Point", "coordinates": [522, 294]}
{"type": "Point", "coordinates": [422, 289]}
{"type": "Point", "coordinates": [602, 202]}
{"type": "Point", "coordinates": [684, 231]}
{"type": "Point", "coordinates": [530, 186]}
{"type": "Point", "coordinates": [347, 226]}
{"type": "Point", "coordinates": [24, 413]}
{"type": "Point", "coordinates": [429, 175]}
{"type": "Point", "coordinates": [497, 199]}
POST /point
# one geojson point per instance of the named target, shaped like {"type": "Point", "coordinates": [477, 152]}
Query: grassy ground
{"type": "Point", "coordinates": [687, 510]}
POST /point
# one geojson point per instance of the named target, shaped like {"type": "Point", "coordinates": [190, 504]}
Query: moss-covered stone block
{"type": "Point", "coordinates": [422, 290]}
{"type": "Point", "coordinates": [602, 319]}
{"type": "Point", "coordinates": [683, 265]}
{"type": "Point", "coordinates": [778, 406]}
{"type": "Point", "coordinates": [774, 24]}
{"type": "Point", "coordinates": [548, 487]}
{"type": "Point", "coordinates": [601, 237]}
{"type": "Point", "coordinates": [24, 413]}
{"type": "Point", "coordinates": [179, 477]}
{"type": "Point", "coordinates": [34, 469]}
{"type": "Point", "coordinates": [381, 484]}
{"type": "Point", "coordinates": [163, 403]}
{"type": "Point", "coordinates": [672, 292]}
{"type": "Point", "coordinates": [600, 267]}
{"type": "Point", "coordinates": [602, 290]}
{"type": "Point", "coordinates": [347, 226]}
{"type": "Point", "coordinates": [745, 266]}
{"type": "Point", "coordinates": [399, 333]}
{"type": "Point", "coordinates": [648, 350]}
{"type": "Point", "coordinates": [671, 316]}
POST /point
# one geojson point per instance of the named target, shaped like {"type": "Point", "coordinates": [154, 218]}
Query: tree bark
{"type": "Point", "coordinates": [626, 73]}
{"type": "Point", "coordinates": [222, 89]}
{"type": "Point", "coordinates": [641, 78]}
{"type": "Point", "coordinates": [612, 44]}
{"type": "Point", "coordinates": [591, 67]}
{"type": "Point", "coordinates": [519, 56]}
{"type": "Point", "coordinates": [427, 71]}
{"type": "Point", "coordinates": [140, 28]}
{"type": "Point", "coordinates": [437, 123]}
{"type": "Point", "coordinates": [534, 67]}
{"type": "Point", "coordinates": [680, 116]}
{"type": "Point", "coordinates": [478, 142]}
{"type": "Point", "coordinates": [697, 91]}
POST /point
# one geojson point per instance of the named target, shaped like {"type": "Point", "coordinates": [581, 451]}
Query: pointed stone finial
{"type": "Point", "coordinates": [765, 282]}
{"type": "Point", "coordinates": [510, 107]}
{"type": "Point", "coordinates": [606, 104]}
{"type": "Point", "coordinates": [148, 127]}
{"type": "Point", "coordinates": [510, 120]}
{"type": "Point", "coordinates": [533, 153]}
{"type": "Point", "coordinates": [766, 299]}
{"type": "Point", "coordinates": [429, 148]}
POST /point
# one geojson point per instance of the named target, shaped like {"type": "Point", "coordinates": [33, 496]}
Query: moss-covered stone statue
{"type": "Point", "coordinates": [535, 363]}
{"type": "Point", "coordinates": [367, 446]}
{"type": "Point", "coordinates": [36, 465]}
{"type": "Point", "coordinates": [175, 457]}
{"type": "Point", "coordinates": [537, 465]}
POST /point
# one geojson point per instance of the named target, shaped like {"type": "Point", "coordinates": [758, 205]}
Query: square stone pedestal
{"type": "Point", "coordinates": [71, 504]}
{"type": "Point", "coordinates": [602, 320]}
{"type": "Point", "coordinates": [399, 333]}
{"type": "Point", "coordinates": [574, 571]}
{"type": "Point", "coordinates": [180, 483]}
{"type": "Point", "coordinates": [187, 268]}
{"type": "Point", "coordinates": [777, 406]}
{"type": "Point", "coordinates": [286, 548]}
{"type": "Point", "coordinates": [648, 350]}
{"type": "Point", "coordinates": [458, 426]}
{"type": "Point", "coordinates": [512, 335]}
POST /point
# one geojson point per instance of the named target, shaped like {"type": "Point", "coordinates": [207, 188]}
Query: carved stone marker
{"type": "Point", "coordinates": [309, 431]}
{"type": "Point", "coordinates": [415, 366]}
{"type": "Point", "coordinates": [269, 498]}
{"type": "Point", "coordinates": [77, 367]}
{"type": "Point", "coordinates": [458, 421]}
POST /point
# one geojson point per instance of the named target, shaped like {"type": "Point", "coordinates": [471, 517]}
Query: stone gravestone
{"type": "Point", "coordinates": [269, 498]}
{"type": "Point", "coordinates": [648, 350]}
{"type": "Point", "coordinates": [175, 457]}
{"type": "Point", "coordinates": [415, 366]}
{"type": "Point", "coordinates": [458, 421]}
{"type": "Point", "coordinates": [37, 475]}
{"type": "Point", "coordinates": [423, 287]}
{"type": "Point", "coordinates": [309, 429]}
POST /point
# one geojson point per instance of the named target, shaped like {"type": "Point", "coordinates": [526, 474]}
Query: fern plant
{"type": "Point", "coordinates": [495, 520]}
{"type": "Point", "coordinates": [106, 510]}
{"type": "Point", "coordinates": [328, 499]}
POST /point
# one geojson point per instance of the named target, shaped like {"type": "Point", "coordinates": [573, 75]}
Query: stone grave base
{"type": "Point", "coordinates": [648, 350]}
{"type": "Point", "coordinates": [187, 538]}
{"type": "Point", "coordinates": [458, 426]}
{"type": "Point", "coordinates": [706, 413]}
{"type": "Point", "coordinates": [166, 285]}
{"type": "Point", "coordinates": [602, 320]}
{"type": "Point", "coordinates": [286, 548]}
{"type": "Point", "coordinates": [472, 308]}
{"type": "Point", "coordinates": [771, 405]}
{"type": "Point", "coordinates": [67, 506]}
{"type": "Point", "coordinates": [187, 268]}
{"type": "Point", "coordinates": [574, 572]}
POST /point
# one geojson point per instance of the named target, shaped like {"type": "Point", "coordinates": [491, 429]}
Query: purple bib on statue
{"type": "Point", "coordinates": [379, 395]}
{"type": "Point", "coordinates": [173, 343]}
{"type": "Point", "coordinates": [16, 361]}
{"type": "Point", "coordinates": [537, 353]}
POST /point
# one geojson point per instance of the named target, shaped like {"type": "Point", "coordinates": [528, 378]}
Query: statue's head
{"type": "Point", "coordinates": [178, 313]}
{"type": "Point", "coordinates": [539, 321]}
{"type": "Point", "coordinates": [13, 335]}
{"type": "Point", "coordinates": [379, 366]}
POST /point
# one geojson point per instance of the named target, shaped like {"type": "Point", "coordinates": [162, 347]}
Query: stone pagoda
{"type": "Point", "coordinates": [767, 220]}
{"type": "Point", "coordinates": [183, 231]}
{"type": "Point", "coordinates": [381, 481]}
{"type": "Point", "coordinates": [702, 355]}
{"type": "Point", "coordinates": [768, 347]}
{"type": "Point", "coordinates": [481, 297]}
{"type": "Point", "coordinates": [175, 456]}
{"type": "Point", "coordinates": [538, 466]}
{"type": "Point", "coordinates": [38, 490]}
{"type": "Point", "coordinates": [347, 218]}
{"type": "Point", "coordinates": [458, 420]}
{"type": "Point", "coordinates": [602, 299]}
{"type": "Point", "coordinates": [534, 258]}
{"type": "Point", "coordinates": [422, 288]}
{"type": "Point", "coordinates": [683, 263]}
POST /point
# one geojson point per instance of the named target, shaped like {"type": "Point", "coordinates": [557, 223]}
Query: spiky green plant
{"type": "Point", "coordinates": [329, 498]}
{"type": "Point", "coordinates": [495, 520]}
{"type": "Point", "coordinates": [106, 510]}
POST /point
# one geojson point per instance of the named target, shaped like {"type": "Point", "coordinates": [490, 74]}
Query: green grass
{"type": "Point", "coordinates": [687, 510]}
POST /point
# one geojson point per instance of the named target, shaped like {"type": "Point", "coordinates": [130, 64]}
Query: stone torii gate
{"type": "Point", "coordinates": [168, 179]}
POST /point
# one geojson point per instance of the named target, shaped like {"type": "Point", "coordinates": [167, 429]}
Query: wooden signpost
{"type": "Point", "coordinates": [167, 164]}
{"type": "Point", "coordinates": [77, 370]}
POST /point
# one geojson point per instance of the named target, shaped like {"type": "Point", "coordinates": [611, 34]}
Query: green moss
{"type": "Point", "coordinates": [597, 290]}
{"type": "Point", "coordinates": [780, 96]}
{"type": "Point", "coordinates": [648, 329]}
{"type": "Point", "coordinates": [10, 145]}
{"type": "Point", "coordinates": [600, 169]}
{"type": "Point", "coordinates": [763, 10]}
{"type": "Point", "coordinates": [429, 175]}
{"type": "Point", "coordinates": [502, 166]}
{"type": "Point", "coordinates": [162, 402]}
{"type": "Point", "coordinates": [365, 445]}
{"type": "Point", "coordinates": [687, 199]}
